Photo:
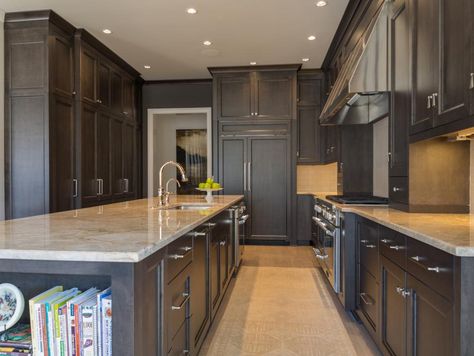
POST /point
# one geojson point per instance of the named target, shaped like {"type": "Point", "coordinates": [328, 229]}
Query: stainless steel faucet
{"type": "Point", "coordinates": [163, 193]}
{"type": "Point", "coordinates": [167, 191]}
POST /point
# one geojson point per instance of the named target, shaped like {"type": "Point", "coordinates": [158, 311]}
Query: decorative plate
{"type": "Point", "coordinates": [12, 304]}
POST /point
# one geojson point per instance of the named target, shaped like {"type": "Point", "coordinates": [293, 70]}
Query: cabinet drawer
{"type": "Point", "coordinates": [393, 245]}
{"type": "Point", "coordinates": [398, 190]}
{"type": "Point", "coordinates": [368, 247]}
{"type": "Point", "coordinates": [368, 292]}
{"type": "Point", "coordinates": [177, 304]}
{"type": "Point", "coordinates": [180, 345]}
{"type": "Point", "coordinates": [432, 266]}
{"type": "Point", "coordinates": [180, 254]}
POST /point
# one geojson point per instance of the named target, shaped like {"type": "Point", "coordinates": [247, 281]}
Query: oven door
{"type": "Point", "coordinates": [327, 250]}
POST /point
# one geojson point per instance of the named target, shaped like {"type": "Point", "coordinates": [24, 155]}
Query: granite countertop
{"type": "Point", "coordinates": [452, 233]}
{"type": "Point", "coordinates": [120, 232]}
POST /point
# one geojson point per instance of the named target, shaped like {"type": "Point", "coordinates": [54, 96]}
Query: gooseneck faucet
{"type": "Point", "coordinates": [162, 192]}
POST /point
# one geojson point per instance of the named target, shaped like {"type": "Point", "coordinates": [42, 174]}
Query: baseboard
{"type": "Point", "coordinates": [266, 242]}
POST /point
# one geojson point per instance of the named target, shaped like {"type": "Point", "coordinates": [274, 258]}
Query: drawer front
{"type": "Point", "coordinates": [180, 345]}
{"type": "Point", "coordinates": [398, 190]}
{"type": "Point", "coordinates": [432, 266]}
{"type": "Point", "coordinates": [180, 254]}
{"type": "Point", "coordinates": [177, 304]}
{"type": "Point", "coordinates": [368, 247]}
{"type": "Point", "coordinates": [393, 245]}
{"type": "Point", "coordinates": [368, 292]}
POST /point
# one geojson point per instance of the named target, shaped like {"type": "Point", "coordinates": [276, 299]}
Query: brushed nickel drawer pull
{"type": "Point", "coordinates": [406, 293]}
{"type": "Point", "coordinates": [363, 297]}
{"type": "Point", "coordinates": [399, 290]}
{"type": "Point", "coordinates": [197, 234]}
{"type": "Point", "coordinates": [185, 300]}
{"type": "Point", "coordinates": [176, 257]}
{"type": "Point", "coordinates": [322, 257]}
{"type": "Point", "coordinates": [396, 248]}
{"type": "Point", "coordinates": [385, 241]}
{"type": "Point", "coordinates": [186, 248]}
{"type": "Point", "coordinates": [471, 84]}
{"type": "Point", "coordinates": [418, 260]}
{"type": "Point", "coordinates": [222, 243]}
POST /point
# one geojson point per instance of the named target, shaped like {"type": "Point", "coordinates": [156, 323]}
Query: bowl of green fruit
{"type": "Point", "coordinates": [209, 187]}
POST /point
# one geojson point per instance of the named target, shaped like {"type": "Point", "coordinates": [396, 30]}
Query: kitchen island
{"type": "Point", "coordinates": [126, 246]}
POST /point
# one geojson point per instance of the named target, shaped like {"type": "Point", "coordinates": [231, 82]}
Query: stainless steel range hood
{"type": "Point", "coordinates": [360, 93]}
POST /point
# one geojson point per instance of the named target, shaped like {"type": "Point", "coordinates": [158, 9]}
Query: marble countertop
{"type": "Point", "coordinates": [120, 232]}
{"type": "Point", "coordinates": [452, 233]}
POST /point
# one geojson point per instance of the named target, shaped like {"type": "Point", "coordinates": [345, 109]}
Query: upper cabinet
{"type": "Point", "coordinates": [255, 94]}
{"type": "Point", "coordinates": [441, 63]}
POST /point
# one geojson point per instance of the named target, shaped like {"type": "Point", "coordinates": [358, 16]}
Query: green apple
{"type": "Point", "coordinates": [208, 186]}
{"type": "Point", "coordinates": [202, 185]}
{"type": "Point", "coordinates": [210, 180]}
{"type": "Point", "coordinates": [216, 185]}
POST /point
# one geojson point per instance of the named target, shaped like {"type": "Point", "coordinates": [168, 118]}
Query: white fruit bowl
{"type": "Point", "coordinates": [209, 192]}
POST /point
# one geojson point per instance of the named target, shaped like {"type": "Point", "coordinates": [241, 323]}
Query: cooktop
{"type": "Point", "coordinates": [358, 199]}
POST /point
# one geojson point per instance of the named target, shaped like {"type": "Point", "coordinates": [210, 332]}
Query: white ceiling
{"type": "Point", "coordinates": [160, 32]}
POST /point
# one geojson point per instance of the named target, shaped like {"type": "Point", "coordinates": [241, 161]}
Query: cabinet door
{"type": "Point", "coordinates": [430, 321]}
{"type": "Point", "coordinates": [89, 63]}
{"type": "Point", "coordinates": [116, 135]}
{"type": "Point", "coordinates": [104, 83]}
{"type": "Point", "coordinates": [234, 96]}
{"type": "Point", "coordinates": [62, 68]}
{"type": "Point", "coordinates": [400, 85]}
{"type": "Point", "coordinates": [454, 45]}
{"type": "Point", "coordinates": [89, 185]}
{"type": "Point", "coordinates": [274, 95]}
{"type": "Point", "coordinates": [424, 63]}
{"type": "Point", "coordinates": [103, 155]}
{"type": "Point", "coordinates": [393, 308]}
{"type": "Point", "coordinates": [129, 159]}
{"type": "Point", "coordinates": [63, 184]}
{"type": "Point", "coordinates": [368, 299]}
{"type": "Point", "coordinates": [116, 92]}
{"type": "Point", "coordinates": [223, 259]}
{"type": "Point", "coordinates": [268, 188]}
{"type": "Point", "coordinates": [200, 308]}
{"type": "Point", "coordinates": [309, 133]}
{"type": "Point", "coordinates": [331, 142]}
{"type": "Point", "coordinates": [214, 277]}
{"type": "Point", "coordinates": [310, 90]}
{"type": "Point", "coordinates": [128, 98]}
{"type": "Point", "coordinates": [233, 165]}
{"type": "Point", "coordinates": [304, 213]}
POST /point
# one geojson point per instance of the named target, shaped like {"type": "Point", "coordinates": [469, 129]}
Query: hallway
{"type": "Point", "coordinates": [281, 305]}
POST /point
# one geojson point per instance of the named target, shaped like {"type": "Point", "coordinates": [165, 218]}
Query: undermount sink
{"type": "Point", "coordinates": [188, 207]}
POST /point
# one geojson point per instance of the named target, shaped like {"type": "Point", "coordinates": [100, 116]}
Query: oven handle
{"type": "Point", "coordinates": [323, 226]}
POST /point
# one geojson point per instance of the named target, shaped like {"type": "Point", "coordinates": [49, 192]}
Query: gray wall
{"type": "Point", "coordinates": [175, 94]}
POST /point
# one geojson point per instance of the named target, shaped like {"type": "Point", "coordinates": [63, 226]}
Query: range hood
{"type": "Point", "coordinates": [360, 93]}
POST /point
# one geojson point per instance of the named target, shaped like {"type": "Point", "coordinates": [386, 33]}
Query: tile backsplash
{"type": "Point", "coordinates": [317, 178]}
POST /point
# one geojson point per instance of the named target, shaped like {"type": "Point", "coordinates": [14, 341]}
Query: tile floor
{"type": "Point", "coordinates": [280, 305]}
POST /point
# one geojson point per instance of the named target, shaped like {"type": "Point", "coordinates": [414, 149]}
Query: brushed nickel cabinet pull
{"type": "Point", "coordinates": [180, 306]}
{"type": "Point", "coordinates": [74, 188]}
{"type": "Point", "coordinates": [435, 95]}
{"type": "Point", "coordinates": [428, 104]}
{"type": "Point", "coordinates": [471, 84]}
{"type": "Point", "coordinates": [363, 297]}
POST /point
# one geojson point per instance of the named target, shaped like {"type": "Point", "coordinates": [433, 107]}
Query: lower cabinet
{"type": "Point", "coordinates": [197, 270]}
{"type": "Point", "coordinates": [411, 309]}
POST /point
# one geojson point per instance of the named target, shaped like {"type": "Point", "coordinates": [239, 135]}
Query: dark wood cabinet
{"type": "Point", "coordinates": [59, 90]}
{"type": "Point", "coordinates": [259, 168]}
{"type": "Point", "coordinates": [266, 93]}
{"type": "Point", "coordinates": [430, 321]}
{"type": "Point", "coordinates": [415, 296]}
{"type": "Point", "coordinates": [310, 140]}
{"type": "Point", "coordinates": [331, 144]}
{"type": "Point", "coordinates": [304, 212]}
{"type": "Point", "coordinates": [400, 80]}
{"type": "Point", "coordinates": [441, 70]}
{"type": "Point", "coordinates": [394, 308]}
{"type": "Point", "coordinates": [200, 306]}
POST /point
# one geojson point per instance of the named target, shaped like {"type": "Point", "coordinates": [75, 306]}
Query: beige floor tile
{"type": "Point", "coordinates": [280, 305]}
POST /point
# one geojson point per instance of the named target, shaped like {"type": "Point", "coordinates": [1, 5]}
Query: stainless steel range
{"type": "Point", "coordinates": [326, 238]}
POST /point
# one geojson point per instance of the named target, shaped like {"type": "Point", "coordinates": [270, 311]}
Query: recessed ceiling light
{"type": "Point", "coordinates": [106, 31]}
{"type": "Point", "coordinates": [253, 63]}
{"type": "Point", "coordinates": [321, 3]}
{"type": "Point", "coordinates": [191, 11]}
{"type": "Point", "coordinates": [305, 59]}
{"type": "Point", "coordinates": [311, 38]}
{"type": "Point", "coordinates": [207, 43]}
{"type": "Point", "coordinates": [146, 66]}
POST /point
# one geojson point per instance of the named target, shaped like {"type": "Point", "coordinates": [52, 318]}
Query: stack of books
{"type": "Point", "coordinates": [16, 341]}
{"type": "Point", "coordinates": [71, 322]}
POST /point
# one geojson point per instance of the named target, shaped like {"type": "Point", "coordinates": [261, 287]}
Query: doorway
{"type": "Point", "coordinates": [183, 135]}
